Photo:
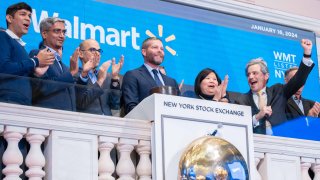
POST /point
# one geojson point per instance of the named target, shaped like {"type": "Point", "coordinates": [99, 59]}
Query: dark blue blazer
{"type": "Point", "coordinates": [293, 111]}
{"type": "Point", "coordinates": [15, 69]}
{"type": "Point", "coordinates": [278, 96]}
{"type": "Point", "coordinates": [91, 98]}
{"type": "Point", "coordinates": [55, 89]}
{"type": "Point", "coordinates": [137, 84]}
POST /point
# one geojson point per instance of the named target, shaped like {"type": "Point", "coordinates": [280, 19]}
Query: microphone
{"type": "Point", "coordinates": [216, 131]}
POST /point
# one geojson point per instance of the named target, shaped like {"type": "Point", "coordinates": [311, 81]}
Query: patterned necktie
{"type": "Point", "coordinates": [58, 58]}
{"type": "Point", "coordinates": [156, 78]}
{"type": "Point", "coordinates": [261, 104]}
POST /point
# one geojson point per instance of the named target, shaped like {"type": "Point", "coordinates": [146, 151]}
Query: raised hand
{"type": "Point", "coordinates": [102, 74]}
{"type": "Point", "coordinates": [45, 57]}
{"type": "Point", "coordinates": [307, 46]}
{"type": "Point", "coordinates": [39, 71]}
{"type": "Point", "coordinates": [117, 67]}
{"type": "Point", "coordinates": [315, 110]}
{"type": "Point", "coordinates": [89, 65]}
{"type": "Point", "coordinates": [74, 63]}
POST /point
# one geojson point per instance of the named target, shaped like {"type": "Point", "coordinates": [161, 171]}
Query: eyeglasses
{"type": "Point", "coordinates": [93, 50]}
{"type": "Point", "coordinates": [59, 31]}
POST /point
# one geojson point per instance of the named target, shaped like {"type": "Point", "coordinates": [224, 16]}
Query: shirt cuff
{"type": "Point", "coordinates": [307, 61]}
{"type": "Point", "coordinates": [255, 122]}
{"type": "Point", "coordinates": [84, 79]}
{"type": "Point", "coordinates": [115, 84]}
{"type": "Point", "coordinates": [35, 61]}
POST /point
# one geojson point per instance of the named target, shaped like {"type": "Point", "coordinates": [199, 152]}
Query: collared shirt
{"type": "Point", "coordinates": [299, 103]}
{"type": "Point", "coordinates": [56, 56]}
{"type": "Point", "coordinates": [255, 97]}
{"type": "Point", "coordinates": [91, 75]}
{"type": "Point", "coordinates": [151, 73]}
{"type": "Point", "coordinates": [14, 36]}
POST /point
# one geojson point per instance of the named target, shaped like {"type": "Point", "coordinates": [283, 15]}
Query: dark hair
{"type": "Point", "coordinates": [11, 10]}
{"type": "Point", "coordinates": [203, 74]}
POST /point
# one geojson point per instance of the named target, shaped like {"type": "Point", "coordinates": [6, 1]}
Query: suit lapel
{"type": "Point", "coordinates": [145, 73]}
{"type": "Point", "coordinates": [294, 106]}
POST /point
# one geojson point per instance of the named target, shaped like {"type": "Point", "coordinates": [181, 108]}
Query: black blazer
{"type": "Point", "coordinates": [293, 111]}
{"type": "Point", "coordinates": [137, 84]}
{"type": "Point", "coordinates": [55, 89]}
{"type": "Point", "coordinates": [278, 96]}
{"type": "Point", "coordinates": [91, 98]}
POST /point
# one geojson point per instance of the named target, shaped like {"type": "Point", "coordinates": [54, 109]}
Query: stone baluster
{"type": "Point", "coordinates": [257, 158]}
{"type": "Point", "coordinates": [305, 165]}
{"type": "Point", "coordinates": [144, 166]}
{"type": "Point", "coordinates": [125, 168]}
{"type": "Point", "coordinates": [316, 169]}
{"type": "Point", "coordinates": [35, 159]}
{"type": "Point", "coordinates": [106, 165]}
{"type": "Point", "coordinates": [12, 157]}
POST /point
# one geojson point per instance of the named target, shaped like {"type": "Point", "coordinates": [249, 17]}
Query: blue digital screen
{"type": "Point", "coordinates": [218, 41]}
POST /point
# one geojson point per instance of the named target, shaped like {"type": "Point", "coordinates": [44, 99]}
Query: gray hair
{"type": "Point", "coordinates": [47, 23]}
{"type": "Point", "coordinates": [262, 63]}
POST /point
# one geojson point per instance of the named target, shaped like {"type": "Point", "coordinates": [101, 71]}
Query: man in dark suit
{"type": "Point", "coordinates": [99, 92]}
{"type": "Point", "coordinates": [15, 65]}
{"type": "Point", "coordinates": [137, 83]}
{"type": "Point", "coordinates": [298, 106]}
{"type": "Point", "coordinates": [55, 89]}
{"type": "Point", "coordinates": [275, 97]}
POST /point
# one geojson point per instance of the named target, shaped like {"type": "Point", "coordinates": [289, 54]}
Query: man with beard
{"type": "Point", "coordinates": [297, 105]}
{"type": "Point", "coordinates": [15, 65]}
{"type": "Point", "coordinates": [100, 91]}
{"type": "Point", "coordinates": [268, 103]}
{"type": "Point", "coordinates": [137, 83]}
{"type": "Point", "coordinates": [55, 89]}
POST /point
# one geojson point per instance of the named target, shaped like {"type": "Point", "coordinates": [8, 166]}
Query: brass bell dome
{"type": "Point", "coordinates": [212, 158]}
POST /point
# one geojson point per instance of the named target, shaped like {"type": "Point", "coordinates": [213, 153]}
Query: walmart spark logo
{"type": "Point", "coordinates": [167, 39]}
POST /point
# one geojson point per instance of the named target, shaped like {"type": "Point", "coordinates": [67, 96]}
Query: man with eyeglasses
{"type": "Point", "coordinates": [15, 65]}
{"type": "Point", "coordinates": [100, 91]}
{"type": "Point", "coordinates": [55, 89]}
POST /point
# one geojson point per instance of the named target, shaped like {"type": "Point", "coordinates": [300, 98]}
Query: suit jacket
{"type": "Point", "coordinates": [91, 98]}
{"type": "Point", "coordinates": [137, 84]}
{"type": "Point", "coordinates": [278, 96]}
{"type": "Point", "coordinates": [55, 89]}
{"type": "Point", "coordinates": [293, 111]}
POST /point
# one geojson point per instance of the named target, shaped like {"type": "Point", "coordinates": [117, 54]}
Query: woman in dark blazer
{"type": "Point", "coordinates": [208, 85]}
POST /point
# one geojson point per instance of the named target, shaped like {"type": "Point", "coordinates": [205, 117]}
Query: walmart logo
{"type": "Point", "coordinates": [167, 39]}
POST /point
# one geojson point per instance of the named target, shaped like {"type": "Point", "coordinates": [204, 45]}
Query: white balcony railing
{"type": "Point", "coordinates": [65, 145]}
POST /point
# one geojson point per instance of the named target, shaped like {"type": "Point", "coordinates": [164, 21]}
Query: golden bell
{"type": "Point", "coordinates": [212, 158]}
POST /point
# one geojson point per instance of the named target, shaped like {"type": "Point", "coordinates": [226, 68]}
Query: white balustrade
{"type": "Point", "coordinates": [316, 169]}
{"type": "Point", "coordinates": [144, 166]}
{"type": "Point", "coordinates": [35, 159]}
{"type": "Point", "coordinates": [12, 157]}
{"type": "Point", "coordinates": [125, 167]}
{"type": "Point", "coordinates": [257, 158]}
{"type": "Point", "coordinates": [106, 165]}
{"type": "Point", "coordinates": [305, 165]}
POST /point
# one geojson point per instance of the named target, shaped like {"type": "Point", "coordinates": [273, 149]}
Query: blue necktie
{"type": "Point", "coordinates": [156, 78]}
{"type": "Point", "coordinates": [58, 58]}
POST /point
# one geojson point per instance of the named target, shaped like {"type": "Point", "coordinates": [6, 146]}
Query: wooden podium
{"type": "Point", "coordinates": [177, 121]}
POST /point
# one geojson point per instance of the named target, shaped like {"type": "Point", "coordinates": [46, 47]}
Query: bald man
{"type": "Point", "coordinates": [100, 91]}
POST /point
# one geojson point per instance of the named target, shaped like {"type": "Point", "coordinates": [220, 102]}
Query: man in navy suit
{"type": "Point", "coordinates": [137, 83]}
{"type": "Point", "coordinates": [297, 105]}
{"type": "Point", "coordinates": [55, 89]}
{"type": "Point", "coordinates": [275, 97]}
